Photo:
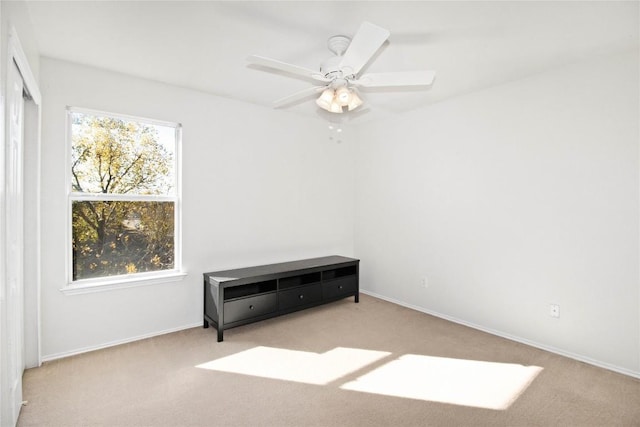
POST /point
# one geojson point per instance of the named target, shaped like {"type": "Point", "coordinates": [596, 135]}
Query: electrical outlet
{"type": "Point", "coordinates": [425, 282]}
{"type": "Point", "coordinates": [554, 310]}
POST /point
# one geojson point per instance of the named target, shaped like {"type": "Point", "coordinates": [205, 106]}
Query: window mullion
{"type": "Point", "coordinates": [121, 197]}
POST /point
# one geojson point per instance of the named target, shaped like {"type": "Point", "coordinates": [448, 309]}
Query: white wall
{"type": "Point", "coordinates": [510, 199]}
{"type": "Point", "coordinates": [258, 187]}
{"type": "Point", "coordinates": [507, 200]}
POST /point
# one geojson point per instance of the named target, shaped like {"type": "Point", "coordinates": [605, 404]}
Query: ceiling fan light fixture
{"type": "Point", "coordinates": [328, 100]}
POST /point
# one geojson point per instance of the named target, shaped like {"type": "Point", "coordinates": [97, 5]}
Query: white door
{"type": "Point", "coordinates": [12, 307]}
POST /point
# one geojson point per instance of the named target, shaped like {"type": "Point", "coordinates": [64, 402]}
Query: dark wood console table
{"type": "Point", "coordinates": [245, 295]}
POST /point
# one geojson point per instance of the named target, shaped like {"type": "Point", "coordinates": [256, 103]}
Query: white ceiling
{"type": "Point", "coordinates": [204, 44]}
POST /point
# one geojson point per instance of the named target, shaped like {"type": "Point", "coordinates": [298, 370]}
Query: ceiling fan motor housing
{"type": "Point", "coordinates": [338, 44]}
{"type": "Point", "coordinates": [331, 67]}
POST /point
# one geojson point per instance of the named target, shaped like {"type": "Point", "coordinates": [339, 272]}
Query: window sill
{"type": "Point", "coordinates": [122, 283]}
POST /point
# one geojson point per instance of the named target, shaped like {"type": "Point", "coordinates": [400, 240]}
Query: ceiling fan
{"type": "Point", "coordinates": [340, 77]}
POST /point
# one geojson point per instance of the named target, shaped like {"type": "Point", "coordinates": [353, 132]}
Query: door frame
{"type": "Point", "coordinates": [31, 299]}
{"type": "Point", "coordinates": [16, 53]}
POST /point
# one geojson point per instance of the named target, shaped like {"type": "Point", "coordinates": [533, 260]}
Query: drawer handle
{"type": "Point", "coordinates": [301, 296]}
{"type": "Point", "coordinates": [339, 286]}
{"type": "Point", "coordinates": [251, 307]}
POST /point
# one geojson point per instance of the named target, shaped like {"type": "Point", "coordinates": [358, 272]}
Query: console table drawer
{"type": "Point", "coordinates": [338, 287]}
{"type": "Point", "coordinates": [300, 296]}
{"type": "Point", "coordinates": [247, 308]}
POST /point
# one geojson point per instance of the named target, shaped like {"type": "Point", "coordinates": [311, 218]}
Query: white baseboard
{"type": "Point", "coordinates": [55, 356]}
{"type": "Point", "coordinates": [545, 347]}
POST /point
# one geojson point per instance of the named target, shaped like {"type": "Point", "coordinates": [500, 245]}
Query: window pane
{"type": "Point", "coordinates": [115, 237]}
{"type": "Point", "coordinates": [119, 156]}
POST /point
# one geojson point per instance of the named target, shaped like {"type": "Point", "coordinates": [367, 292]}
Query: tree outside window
{"type": "Point", "coordinates": [123, 195]}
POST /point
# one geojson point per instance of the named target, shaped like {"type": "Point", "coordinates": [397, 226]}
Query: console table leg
{"type": "Point", "coordinates": [357, 298]}
{"type": "Point", "coordinates": [205, 324]}
{"type": "Point", "coordinates": [219, 335]}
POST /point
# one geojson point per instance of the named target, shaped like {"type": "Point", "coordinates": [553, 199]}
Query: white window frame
{"type": "Point", "coordinates": [125, 280]}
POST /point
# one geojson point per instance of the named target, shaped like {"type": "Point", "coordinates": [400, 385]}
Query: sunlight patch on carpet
{"type": "Point", "coordinates": [293, 365]}
{"type": "Point", "coordinates": [456, 381]}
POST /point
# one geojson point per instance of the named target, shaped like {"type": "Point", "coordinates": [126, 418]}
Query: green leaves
{"type": "Point", "coordinates": [114, 237]}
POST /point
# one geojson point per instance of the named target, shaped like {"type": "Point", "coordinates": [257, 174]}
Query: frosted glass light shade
{"type": "Point", "coordinates": [355, 101]}
{"type": "Point", "coordinates": [343, 96]}
{"type": "Point", "coordinates": [325, 100]}
{"type": "Point", "coordinates": [335, 107]}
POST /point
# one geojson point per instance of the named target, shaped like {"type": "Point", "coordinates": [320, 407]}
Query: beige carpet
{"type": "Point", "coordinates": [342, 364]}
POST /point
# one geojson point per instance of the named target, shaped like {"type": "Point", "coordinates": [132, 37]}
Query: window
{"type": "Point", "coordinates": [124, 194]}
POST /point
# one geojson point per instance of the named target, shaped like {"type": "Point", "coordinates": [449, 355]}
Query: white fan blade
{"type": "Point", "coordinates": [298, 95]}
{"type": "Point", "coordinates": [289, 68]}
{"type": "Point", "coordinates": [401, 78]}
{"type": "Point", "coordinates": [363, 46]}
